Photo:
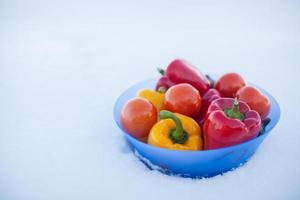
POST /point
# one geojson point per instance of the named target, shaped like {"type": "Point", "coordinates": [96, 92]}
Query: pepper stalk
{"type": "Point", "coordinates": [234, 112]}
{"type": "Point", "coordinates": [177, 135]}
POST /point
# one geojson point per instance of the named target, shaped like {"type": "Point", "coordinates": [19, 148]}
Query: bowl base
{"type": "Point", "coordinates": [166, 171]}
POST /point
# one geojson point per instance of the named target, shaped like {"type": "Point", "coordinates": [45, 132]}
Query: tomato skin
{"type": "Point", "coordinates": [184, 99]}
{"type": "Point", "coordinates": [138, 116]}
{"type": "Point", "coordinates": [229, 84]}
{"type": "Point", "coordinates": [255, 99]}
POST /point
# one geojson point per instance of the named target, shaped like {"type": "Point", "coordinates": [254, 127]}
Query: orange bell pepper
{"type": "Point", "coordinates": [176, 131]}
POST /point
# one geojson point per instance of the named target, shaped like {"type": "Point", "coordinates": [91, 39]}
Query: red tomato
{"type": "Point", "coordinates": [184, 99]}
{"type": "Point", "coordinates": [229, 84]}
{"type": "Point", "coordinates": [138, 116]}
{"type": "Point", "coordinates": [255, 99]}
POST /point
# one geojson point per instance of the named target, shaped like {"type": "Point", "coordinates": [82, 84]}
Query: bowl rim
{"type": "Point", "coordinates": [269, 128]}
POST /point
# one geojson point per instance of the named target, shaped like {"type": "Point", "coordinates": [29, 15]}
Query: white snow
{"type": "Point", "coordinates": [64, 63]}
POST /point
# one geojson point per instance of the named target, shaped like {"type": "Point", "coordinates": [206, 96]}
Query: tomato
{"type": "Point", "coordinates": [184, 99]}
{"type": "Point", "coordinates": [138, 116]}
{"type": "Point", "coordinates": [255, 99]}
{"type": "Point", "coordinates": [229, 84]}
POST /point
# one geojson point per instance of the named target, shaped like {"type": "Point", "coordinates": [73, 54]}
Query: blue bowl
{"type": "Point", "coordinates": [194, 164]}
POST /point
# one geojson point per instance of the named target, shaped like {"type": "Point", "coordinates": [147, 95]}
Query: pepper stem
{"type": "Point", "coordinates": [161, 71]}
{"type": "Point", "coordinates": [264, 123]}
{"type": "Point", "coordinates": [211, 81]}
{"type": "Point", "coordinates": [162, 89]}
{"type": "Point", "coordinates": [234, 112]}
{"type": "Point", "coordinates": [177, 135]}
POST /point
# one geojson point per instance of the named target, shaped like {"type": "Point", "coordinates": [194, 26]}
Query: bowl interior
{"type": "Point", "coordinates": [131, 92]}
{"type": "Point", "coordinates": [196, 164]}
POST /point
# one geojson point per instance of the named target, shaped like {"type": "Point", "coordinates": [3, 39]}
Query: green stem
{"type": "Point", "coordinates": [161, 71]}
{"type": "Point", "coordinates": [162, 89]}
{"type": "Point", "coordinates": [177, 135]}
{"type": "Point", "coordinates": [234, 112]}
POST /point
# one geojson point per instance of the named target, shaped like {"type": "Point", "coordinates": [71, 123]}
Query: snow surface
{"type": "Point", "coordinates": [64, 63]}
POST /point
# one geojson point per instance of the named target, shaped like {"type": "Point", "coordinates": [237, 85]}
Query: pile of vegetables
{"type": "Point", "coordinates": [190, 111]}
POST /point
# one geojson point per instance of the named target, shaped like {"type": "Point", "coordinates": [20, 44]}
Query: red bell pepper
{"type": "Point", "coordinates": [229, 122]}
{"type": "Point", "coordinates": [163, 84]}
{"type": "Point", "coordinates": [209, 96]}
{"type": "Point", "coordinates": [180, 71]}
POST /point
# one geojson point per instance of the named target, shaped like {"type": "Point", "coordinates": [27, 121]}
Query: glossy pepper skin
{"type": "Point", "coordinates": [209, 96]}
{"type": "Point", "coordinates": [163, 84]}
{"type": "Point", "coordinates": [156, 98]}
{"type": "Point", "coordinates": [229, 122]}
{"type": "Point", "coordinates": [180, 71]}
{"type": "Point", "coordinates": [176, 132]}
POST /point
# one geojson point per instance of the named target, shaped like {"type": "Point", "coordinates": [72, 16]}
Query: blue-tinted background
{"type": "Point", "coordinates": [64, 63]}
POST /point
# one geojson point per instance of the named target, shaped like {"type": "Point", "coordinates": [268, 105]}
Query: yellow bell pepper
{"type": "Point", "coordinates": [176, 131]}
{"type": "Point", "coordinates": [155, 97]}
